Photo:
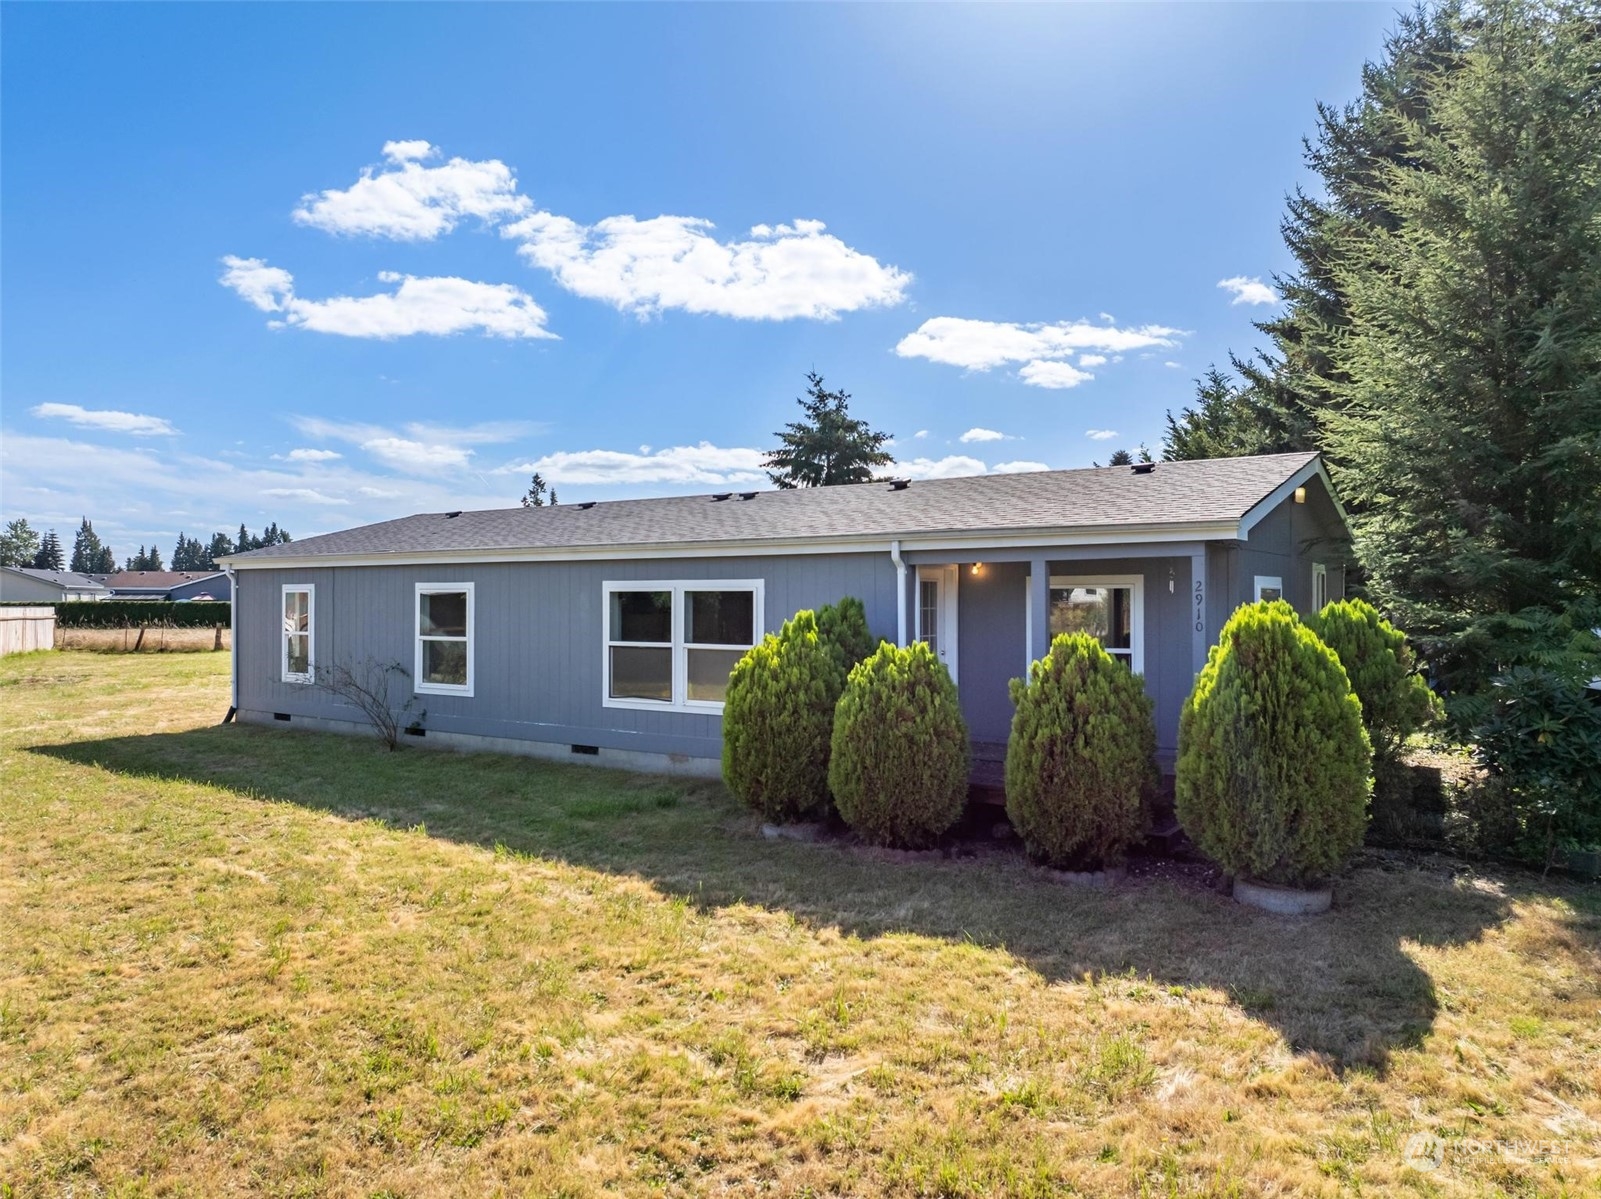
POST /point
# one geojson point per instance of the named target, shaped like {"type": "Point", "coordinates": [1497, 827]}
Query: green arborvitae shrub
{"type": "Point", "coordinates": [777, 719]}
{"type": "Point", "coordinates": [1273, 759]}
{"type": "Point", "coordinates": [898, 766]}
{"type": "Point", "coordinates": [843, 628]}
{"type": "Point", "coordinates": [1396, 702]}
{"type": "Point", "coordinates": [1081, 758]}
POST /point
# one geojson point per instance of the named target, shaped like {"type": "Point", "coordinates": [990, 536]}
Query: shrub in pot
{"type": "Point", "coordinates": [898, 761]}
{"type": "Point", "coordinates": [1272, 780]}
{"type": "Point", "coordinates": [777, 719]}
{"type": "Point", "coordinates": [843, 628]}
{"type": "Point", "coordinates": [1080, 759]}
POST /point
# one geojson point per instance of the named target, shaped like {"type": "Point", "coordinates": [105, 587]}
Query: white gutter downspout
{"type": "Point", "coordinates": [900, 593]}
{"type": "Point", "coordinates": [233, 644]}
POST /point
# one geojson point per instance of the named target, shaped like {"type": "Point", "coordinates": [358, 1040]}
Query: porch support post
{"type": "Point", "coordinates": [1200, 641]}
{"type": "Point", "coordinates": [1039, 609]}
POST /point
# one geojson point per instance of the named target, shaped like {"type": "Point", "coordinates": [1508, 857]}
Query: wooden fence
{"type": "Point", "coordinates": [23, 630]}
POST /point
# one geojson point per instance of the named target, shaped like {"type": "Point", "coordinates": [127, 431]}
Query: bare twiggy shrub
{"type": "Point", "coordinates": [370, 686]}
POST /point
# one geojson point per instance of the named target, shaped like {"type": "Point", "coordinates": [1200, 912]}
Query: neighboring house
{"type": "Point", "coordinates": [25, 584]}
{"type": "Point", "coordinates": [608, 630]}
{"type": "Point", "coordinates": [168, 584]}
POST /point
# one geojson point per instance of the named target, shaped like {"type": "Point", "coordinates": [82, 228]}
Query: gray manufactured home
{"type": "Point", "coordinates": [608, 630]}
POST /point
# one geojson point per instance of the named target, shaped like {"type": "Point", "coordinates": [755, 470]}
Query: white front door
{"type": "Point", "coordinates": [936, 612]}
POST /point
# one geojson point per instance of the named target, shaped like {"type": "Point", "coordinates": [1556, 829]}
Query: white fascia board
{"type": "Point", "coordinates": [953, 542]}
{"type": "Point", "coordinates": [1312, 470]}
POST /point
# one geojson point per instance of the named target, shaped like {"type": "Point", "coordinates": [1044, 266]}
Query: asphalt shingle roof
{"type": "Point", "coordinates": [61, 578]}
{"type": "Point", "coordinates": [1177, 493]}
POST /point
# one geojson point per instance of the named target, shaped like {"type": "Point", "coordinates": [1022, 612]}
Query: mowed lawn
{"type": "Point", "coordinates": [240, 960]}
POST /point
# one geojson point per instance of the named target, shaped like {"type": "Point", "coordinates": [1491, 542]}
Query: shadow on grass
{"type": "Point", "coordinates": [1343, 985]}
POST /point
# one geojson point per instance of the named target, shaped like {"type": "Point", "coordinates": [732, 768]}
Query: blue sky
{"type": "Point", "coordinates": [329, 264]}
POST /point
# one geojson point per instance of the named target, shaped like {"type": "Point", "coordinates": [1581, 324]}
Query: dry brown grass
{"type": "Point", "coordinates": [254, 961]}
{"type": "Point", "coordinates": [122, 641]}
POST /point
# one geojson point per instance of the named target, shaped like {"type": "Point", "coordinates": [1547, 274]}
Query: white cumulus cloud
{"type": "Point", "coordinates": [1044, 351]}
{"type": "Point", "coordinates": [977, 434]}
{"type": "Point", "coordinates": [702, 463]}
{"type": "Point", "coordinates": [308, 455]}
{"type": "Point", "coordinates": [416, 448]}
{"type": "Point", "coordinates": [1100, 434]}
{"type": "Point", "coordinates": [647, 266]}
{"type": "Point", "coordinates": [1046, 373]}
{"type": "Point", "coordinates": [1248, 290]}
{"type": "Point", "coordinates": [1019, 467]}
{"type": "Point", "coordinates": [109, 419]}
{"type": "Point", "coordinates": [950, 467]}
{"type": "Point", "coordinates": [408, 201]}
{"type": "Point", "coordinates": [438, 306]}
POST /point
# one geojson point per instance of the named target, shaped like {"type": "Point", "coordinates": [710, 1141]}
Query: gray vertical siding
{"type": "Point", "coordinates": [537, 654]}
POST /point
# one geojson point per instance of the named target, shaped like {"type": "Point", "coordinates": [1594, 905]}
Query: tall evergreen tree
{"type": "Point", "coordinates": [220, 547]}
{"type": "Point", "coordinates": [539, 493]}
{"type": "Point", "coordinates": [245, 542]}
{"type": "Point", "coordinates": [50, 556]}
{"type": "Point", "coordinates": [19, 542]}
{"type": "Point", "coordinates": [1467, 383]}
{"type": "Point", "coordinates": [86, 549]}
{"type": "Point", "coordinates": [827, 445]}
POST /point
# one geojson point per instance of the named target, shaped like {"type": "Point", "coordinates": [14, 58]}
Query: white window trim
{"type": "Point", "coordinates": [290, 676]}
{"type": "Point", "coordinates": [1268, 583]}
{"type": "Point", "coordinates": [1320, 581]}
{"type": "Point", "coordinates": [1136, 584]}
{"type": "Point", "coordinates": [418, 685]}
{"type": "Point", "coordinates": [680, 646]}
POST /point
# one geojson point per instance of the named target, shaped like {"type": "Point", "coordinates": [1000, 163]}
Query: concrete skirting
{"type": "Point", "coordinates": [1283, 901]}
{"type": "Point", "coordinates": [634, 760]}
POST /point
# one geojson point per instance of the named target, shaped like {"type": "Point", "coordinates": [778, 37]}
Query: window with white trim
{"type": "Point", "coordinates": [444, 659]}
{"type": "Point", "coordinates": [1320, 586]}
{"type": "Point", "coordinates": [1269, 587]}
{"type": "Point", "coordinates": [1110, 608]}
{"type": "Point", "coordinates": [674, 644]}
{"type": "Point", "coordinates": [298, 605]}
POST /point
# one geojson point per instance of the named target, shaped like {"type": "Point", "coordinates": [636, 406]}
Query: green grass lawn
{"type": "Point", "coordinates": [239, 960]}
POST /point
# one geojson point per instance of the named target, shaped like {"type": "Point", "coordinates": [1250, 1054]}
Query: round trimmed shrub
{"type": "Point", "coordinates": [1396, 702]}
{"type": "Point", "coordinates": [1273, 759]}
{"type": "Point", "coordinates": [1081, 756]}
{"type": "Point", "coordinates": [778, 716]}
{"type": "Point", "coordinates": [898, 767]}
{"type": "Point", "coordinates": [843, 628]}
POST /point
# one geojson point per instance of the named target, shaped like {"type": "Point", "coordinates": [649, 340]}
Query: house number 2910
{"type": "Point", "coordinates": [1200, 607]}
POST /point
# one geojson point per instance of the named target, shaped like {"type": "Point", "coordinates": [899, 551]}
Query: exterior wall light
{"type": "Point", "coordinates": [1300, 495]}
{"type": "Point", "coordinates": [978, 568]}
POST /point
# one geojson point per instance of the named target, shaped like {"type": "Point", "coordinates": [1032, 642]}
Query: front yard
{"type": "Point", "coordinates": [245, 960]}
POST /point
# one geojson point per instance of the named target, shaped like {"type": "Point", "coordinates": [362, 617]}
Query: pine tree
{"type": "Point", "coordinates": [220, 547]}
{"type": "Point", "coordinates": [1468, 379]}
{"type": "Point", "coordinates": [19, 542]}
{"type": "Point", "coordinates": [105, 562]}
{"type": "Point", "coordinates": [50, 556]}
{"type": "Point", "coordinates": [827, 445]}
{"type": "Point", "coordinates": [245, 542]}
{"type": "Point", "coordinates": [85, 547]}
{"type": "Point", "coordinates": [180, 553]}
{"type": "Point", "coordinates": [539, 494]}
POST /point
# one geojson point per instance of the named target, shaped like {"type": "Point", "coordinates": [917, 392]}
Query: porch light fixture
{"type": "Point", "coordinates": [1172, 580]}
{"type": "Point", "coordinates": [1300, 495]}
{"type": "Point", "coordinates": [978, 568]}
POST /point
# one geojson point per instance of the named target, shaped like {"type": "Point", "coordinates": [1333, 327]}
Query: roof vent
{"type": "Point", "coordinates": [453, 515]}
{"type": "Point", "coordinates": [586, 505]}
{"type": "Point", "coordinates": [1143, 468]}
{"type": "Point", "coordinates": [720, 496]}
{"type": "Point", "coordinates": [747, 495]}
{"type": "Point", "coordinates": [899, 484]}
